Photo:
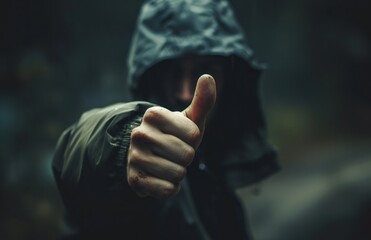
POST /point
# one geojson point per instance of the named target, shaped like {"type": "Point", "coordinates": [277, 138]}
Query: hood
{"type": "Point", "coordinates": [168, 29]}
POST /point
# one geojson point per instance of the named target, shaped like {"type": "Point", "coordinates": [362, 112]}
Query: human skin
{"type": "Point", "coordinates": [164, 144]}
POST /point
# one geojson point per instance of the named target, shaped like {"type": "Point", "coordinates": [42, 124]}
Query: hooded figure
{"type": "Point", "coordinates": [90, 160]}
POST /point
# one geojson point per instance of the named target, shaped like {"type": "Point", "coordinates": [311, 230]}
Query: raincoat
{"type": "Point", "coordinates": [89, 164]}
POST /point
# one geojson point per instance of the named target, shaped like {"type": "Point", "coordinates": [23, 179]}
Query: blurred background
{"type": "Point", "coordinates": [60, 58]}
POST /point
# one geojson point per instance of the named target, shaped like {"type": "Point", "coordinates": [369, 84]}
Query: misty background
{"type": "Point", "coordinates": [61, 58]}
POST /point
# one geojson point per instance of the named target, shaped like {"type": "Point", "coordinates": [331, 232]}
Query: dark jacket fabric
{"type": "Point", "coordinates": [90, 159]}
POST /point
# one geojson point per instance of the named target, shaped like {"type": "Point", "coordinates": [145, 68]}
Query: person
{"type": "Point", "coordinates": [166, 165]}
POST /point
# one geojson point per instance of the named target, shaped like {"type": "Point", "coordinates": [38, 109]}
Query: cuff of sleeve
{"type": "Point", "coordinates": [124, 135]}
{"type": "Point", "coordinates": [119, 191]}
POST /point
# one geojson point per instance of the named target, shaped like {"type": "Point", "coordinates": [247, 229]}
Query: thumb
{"type": "Point", "coordinates": [203, 101]}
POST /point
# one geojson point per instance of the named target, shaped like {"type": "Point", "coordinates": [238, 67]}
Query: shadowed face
{"type": "Point", "coordinates": [176, 79]}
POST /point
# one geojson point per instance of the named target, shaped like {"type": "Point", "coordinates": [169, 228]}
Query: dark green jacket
{"type": "Point", "coordinates": [90, 160]}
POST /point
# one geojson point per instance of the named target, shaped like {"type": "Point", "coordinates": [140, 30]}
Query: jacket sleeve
{"type": "Point", "coordinates": [89, 163]}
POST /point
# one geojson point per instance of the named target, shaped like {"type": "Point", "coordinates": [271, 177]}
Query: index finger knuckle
{"type": "Point", "coordinates": [153, 114]}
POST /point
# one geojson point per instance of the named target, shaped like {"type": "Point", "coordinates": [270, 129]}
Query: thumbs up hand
{"type": "Point", "coordinates": [165, 143]}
